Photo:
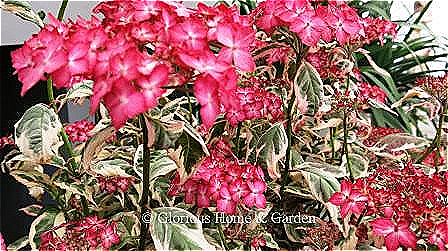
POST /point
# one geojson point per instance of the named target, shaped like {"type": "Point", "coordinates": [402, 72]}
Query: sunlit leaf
{"type": "Point", "coordinates": [271, 147]}
{"type": "Point", "coordinates": [36, 133]}
{"type": "Point", "coordinates": [186, 235]}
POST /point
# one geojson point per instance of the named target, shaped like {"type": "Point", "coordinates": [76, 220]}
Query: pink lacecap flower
{"type": "Point", "coordinates": [351, 200]}
{"type": "Point", "coordinates": [395, 234]}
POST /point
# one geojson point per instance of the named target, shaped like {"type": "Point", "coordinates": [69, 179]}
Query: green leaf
{"type": "Point", "coordinates": [358, 165]}
{"type": "Point", "coordinates": [160, 164]}
{"type": "Point", "coordinates": [321, 181]}
{"type": "Point", "coordinates": [114, 167]}
{"type": "Point", "coordinates": [44, 222]}
{"type": "Point", "coordinates": [271, 147]}
{"type": "Point", "coordinates": [23, 10]}
{"type": "Point", "coordinates": [36, 133]}
{"type": "Point", "coordinates": [19, 244]}
{"type": "Point", "coordinates": [308, 83]}
{"type": "Point", "coordinates": [399, 142]}
{"type": "Point", "coordinates": [270, 242]}
{"type": "Point", "coordinates": [82, 89]}
{"type": "Point", "coordinates": [186, 235]}
{"type": "Point", "coordinates": [159, 188]}
{"type": "Point", "coordinates": [32, 210]}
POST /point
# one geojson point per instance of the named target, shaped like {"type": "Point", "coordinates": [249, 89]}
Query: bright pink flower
{"type": "Point", "coordinates": [289, 11]}
{"type": "Point", "coordinates": [206, 63]}
{"type": "Point", "coordinates": [79, 131]}
{"type": "Point", "coordinates": [395, 234]}
{"type": "Point", "coordinates": [202, 199]}
{"type": "Point", "coordinates": [2, 243]}
{"type": "Point", "coordinates": [309, 28]}
{"type": "Point", "coordinates": [124, 101]}
{"type": "Point", "coordinates": [191, 35]}
{"type": "Point", "coordinates": [109, 235]}
{"type": "Point", "coordinates": [206, 91]}
{"type": "Point", "coordinates": [239, 190]}
{"type": "Point", "coordinates": [345, 25]}
{"type": "Point", "coordinates": [226, 204]}
{"type": "Point", "coordinates": [237, 40]}
{"type": "Point", "coordinates": [256, 196]}
{"type": "Point", "coordinates": [440, 236]}
{"type": "Point", "coordinates": [349, 199]}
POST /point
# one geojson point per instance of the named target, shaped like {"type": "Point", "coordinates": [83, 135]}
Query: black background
{"type": "Point", "coordinates": [15, 224]}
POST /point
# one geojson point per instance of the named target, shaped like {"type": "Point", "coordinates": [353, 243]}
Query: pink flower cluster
{"type": "Point", "coordinates": [111, 184]}
{"type": "Point", "coordinates": [313, 21]}
{"type": "Point", "coordinates": [322, 62]}
{"type": "Point", "coordinates": [377, 29]}
{"type": "Point", "coordinates": [387, 194]}
{"type": "Point", "coordinates": [79, 131]}
{"type": "Point", "coordinates": [221, 178]}
{"type": "Point", "coordinates": [255, 103]}
{"type": "Point", "coordinates": [4, 141]}
{"type": "Point", "coordinates": [140, 47]}
{"type": "Point", "coordinates": [371, 91]}
{"type": "Point", "coordinates": [2, 243]}
{"type": "Point", "coordinates": [88, 233]}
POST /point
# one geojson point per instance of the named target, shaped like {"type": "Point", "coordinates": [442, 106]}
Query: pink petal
{"type": "Point", "coordinates": [391, 241]}
{"type": "Point", "coordinates": [383, 226]}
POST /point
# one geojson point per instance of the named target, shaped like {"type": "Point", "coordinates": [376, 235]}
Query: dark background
{"type": "Point", "coordinates": [15, 224]}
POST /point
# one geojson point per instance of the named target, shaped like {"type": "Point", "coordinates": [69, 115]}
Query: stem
{"type": "Point", "coordinates": [435, 142]}
{"type": "Point", "coordinates": [67, 144]}
{"type": "Point", "coordinates": [223, 237]}
{"type": "Point", "coordinates": [238, 132]}
{"type": "Point", "coordinates": [62, 9]}
{"type": "Point", "coordinates": [360, 217]}
{"type": "Point", "coordinates": [420, 16]}
{"type": "Point", "coordinates": [332, 143]}
{"type": "Point", "coordinates": [145, 195]}
{"type": "Point", "coordinates": [285, 175]}
{"type": "Point", "coordinates": [190, 107]}
{"type": "Point", "coordinates": [346, 145]}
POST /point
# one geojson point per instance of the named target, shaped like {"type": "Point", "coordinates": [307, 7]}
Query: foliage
{"type": "Point", "coordinates": [218, 127]}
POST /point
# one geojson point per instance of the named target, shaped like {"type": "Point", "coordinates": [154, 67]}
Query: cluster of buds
{"type": "Point", "coordinates": [221, 179]}
{"type": "Point", "coordinates": [322, 61]}
{"type": "Point", "coordinates": [377, 29]}
{"type": "Point", "coordinates": [437, 87]}
{"type": "Point", "coordinates": [322, 236]}
{"type": "Point", "coordinates": [88, 233]}
{"type": "Point", "coordinates": [368, 91]}
{"type": "Point", "coordinates": [79, 131]}
{"type": "Point", "coordinates": [347, 102]}
{"type": "Point", "coordinates": [111, 184]}
{"type": "Point", "coordinates": [430, 160]}
{"type": "Point", "coordinates": [255, 103]}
